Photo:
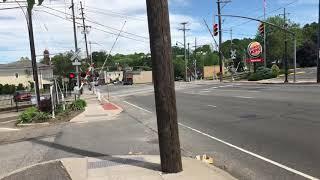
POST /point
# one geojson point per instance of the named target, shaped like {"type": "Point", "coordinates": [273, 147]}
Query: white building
{"type": "Point", "coordinates": [20, 72]}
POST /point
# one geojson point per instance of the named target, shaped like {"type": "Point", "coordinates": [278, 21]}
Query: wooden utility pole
{"type": "Point", "coordinates": [84, 30]}
{"type": "Point", "coordinates": [33, 55]}
{"type": "Point", "coordinates": [75, 41]}
{"type": "Point", "coordinates": [185, 48]}
{"type": "Point", "coordinates": [163, 77]}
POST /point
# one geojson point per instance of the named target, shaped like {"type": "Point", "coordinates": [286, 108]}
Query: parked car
{"type": "Point", "coordinates": [20, 96]}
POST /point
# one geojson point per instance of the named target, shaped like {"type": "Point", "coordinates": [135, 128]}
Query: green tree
{"type": "Point", "coordinates": [62, 64]}
{"type": "Point", "coordinates": [276, 40]}
{"type": "Point", "coordinates": [307, 54]}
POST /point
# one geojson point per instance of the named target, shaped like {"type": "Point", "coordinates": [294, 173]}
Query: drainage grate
{"type": "Point", "coordinates": [115, 162]}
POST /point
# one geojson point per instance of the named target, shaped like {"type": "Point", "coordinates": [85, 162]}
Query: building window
{"type": "Point", "coordinates": [16, 75]}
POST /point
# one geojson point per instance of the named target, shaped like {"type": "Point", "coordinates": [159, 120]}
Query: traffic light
{"type": "Point", "coordinates": [261, 29]}
{"type": "Point", "coordinates": [215, 30]}
{"type": "Point", "coordinates": [72, 75]}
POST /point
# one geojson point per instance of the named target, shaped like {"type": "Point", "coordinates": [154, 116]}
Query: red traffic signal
{"type": "Point", "coordinates": [215, 30]}
{"type": "Point", "coordinates": [261, 28]}
{"type": "Point", "coordinates": [72, 75]}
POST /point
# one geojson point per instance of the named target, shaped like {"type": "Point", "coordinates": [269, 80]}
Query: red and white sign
{"type": "Point", "coordinates": [254, 60]}
{"type": "Point", "coordinates": [255, 49]}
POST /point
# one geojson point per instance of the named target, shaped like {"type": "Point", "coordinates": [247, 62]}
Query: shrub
{"type": "Point", "coordinates": [28, 115]}
{"type": "Point", "coordinates": [8, 89]}
{"type": "Point", "coordinates": [264, 73]}
{"type": "Point", "coordinates": [78, 105]}
{"type": "Point", "coordinates": [1, 87]}
{"type": "Point", "coordinates": [41, 117]}
{"type": "Point", "coordinates": [33, 115]}
{"type": "Point", "coordinates": [275, 70]}
{"type": "Point", "coordinates": [20, 87]}
{"type": "Point", "coordinates": [253, 77]}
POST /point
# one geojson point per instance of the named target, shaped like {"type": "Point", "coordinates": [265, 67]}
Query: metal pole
{"type": "Point", "coordinates": [285, 48]}
{"type": "Point", "coordinates": [189, 60]}
{"type": "Point", "coordinates": [185, 51]}
{"type": "Point", "coordinates": [52, 103]}
{"type": "Point", "coordinates": [57, 92]}
{"type": "Point", "coordinates": [318, 62]}
{"type": "Point", "coordinates": [295, 60]}
{"type": "Point", "coordinates": [195, 58]}
{"type": "Point", "coordinates": [75, 41]}
{"type": "Point", "coordinates": [84, 30]}
{"type": "Point", "coordinates": [264, 35]}
{"type": "Point", "coordinates": [220, 41]}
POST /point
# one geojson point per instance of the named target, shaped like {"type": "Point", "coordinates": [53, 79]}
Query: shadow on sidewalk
{"type": "Point", "coordinates": [101, 156]}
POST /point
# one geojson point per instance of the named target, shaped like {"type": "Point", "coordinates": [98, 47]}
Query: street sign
{"type": "Point", "coordinates": [233, 54]}
{"type": "Point", "coordinates": [77, 63]}
{"type": "Point", "coordinates": [254, 60]}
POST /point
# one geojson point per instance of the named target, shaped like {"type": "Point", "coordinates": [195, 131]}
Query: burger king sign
{"type": "Point", "coordinates": [255, 49]}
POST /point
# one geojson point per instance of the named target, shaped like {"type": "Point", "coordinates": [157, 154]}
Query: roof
{"type": "Point", "coordinates": [22, 65]}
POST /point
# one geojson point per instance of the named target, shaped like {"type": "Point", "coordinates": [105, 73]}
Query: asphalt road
{"type": "Point", "coordinates": [248, 129]}
{"type": "Point", "coordinates": [272, 129]}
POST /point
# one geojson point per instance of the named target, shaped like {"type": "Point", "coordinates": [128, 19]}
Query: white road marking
{"type": "Point", "coordinates": [205, 91]}
{"type": "Point", "coordinates": [243, 97]}
{"type": "Point", "coordinates": [252, 154]}
{"type": "Point", "coordinates": [8, 129]}
{"type": "Point", "coordinates": [214, 87]}
{"type": "Point", "coordinates": [212, 106]}
{"type": "Point", "coordinates": [226, 86]}
{"type": "Point", "coordinates": [239, 148]}
{"type": "Point", "coordinates": [5, 122]}
{"type": "Point", "coordinates": [137, 107]}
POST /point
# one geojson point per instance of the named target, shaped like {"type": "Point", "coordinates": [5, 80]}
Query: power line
{"type": "Point", "coordinates": [1, 9]}
{"type": "Point", "coordinates": [280, 8]}
{"type": "Point", "coordinates": [91, 27]}
{"type": "Point", "coordinates": [97, 23]}
{"type": "Point", "coordinates": [103, 11]}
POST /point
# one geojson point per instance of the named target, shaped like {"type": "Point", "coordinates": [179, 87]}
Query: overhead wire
{"type": "Point", "coordinates": [108, 32]}
{"type": "Point", "coordinates": [104, 11]}
{"type": "Point", "coordinates": [97, 23]}
{"type": "Point", "coordinates": [288, 4]}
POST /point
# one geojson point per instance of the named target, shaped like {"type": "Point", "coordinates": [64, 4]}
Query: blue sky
{"type": "Point", "coordinates": [55, 33]}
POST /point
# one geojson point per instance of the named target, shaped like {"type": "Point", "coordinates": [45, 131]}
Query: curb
{"type": "Point", "coordinates": [33, 124]}
{"type": "Point", "coordinates": [28, 168]}
{"type": "Point", "coordinates": [74, 168]}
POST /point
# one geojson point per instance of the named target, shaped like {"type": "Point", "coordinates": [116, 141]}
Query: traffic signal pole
{"type": "Point", "coordinates": [318, 62]}
{"type": "Point", "coordinates": [285, 48]}
{"type": "Point", "coordinates": [264, 35]}
{"type": "Point", "coordinates": [220, 42]}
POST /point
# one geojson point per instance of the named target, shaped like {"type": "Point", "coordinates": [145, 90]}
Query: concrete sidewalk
{"type": "Point", "coordinates": [117, 167]}
{"type": "Point", "coordinates": [96, 110]}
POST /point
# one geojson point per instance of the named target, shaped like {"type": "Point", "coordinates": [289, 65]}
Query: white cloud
{"type": "Point", "coordinates": [56, 34]}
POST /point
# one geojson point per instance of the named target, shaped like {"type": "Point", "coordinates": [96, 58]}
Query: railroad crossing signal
{"type": "Point", "coordinates": [233, 54]}
{"type": "Point", "coordinates": [215, 30]}
{"type": "Point", "coordinates": [261, 28]}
